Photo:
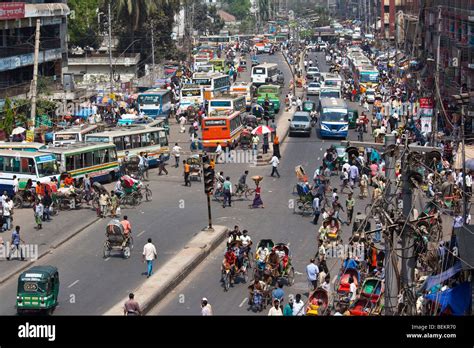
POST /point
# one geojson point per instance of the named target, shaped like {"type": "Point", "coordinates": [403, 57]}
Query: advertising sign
{"type": "Point", "coordinates": [12, 10]}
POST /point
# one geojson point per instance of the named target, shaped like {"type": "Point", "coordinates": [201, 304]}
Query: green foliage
{"type": "Point", "coordinates": [247, 26]}
{"type": "Point", "coordinates": [7, 124]}
{"type": "Point", "coordinates": [238, 8]}
{"type": "Point", "coordinates": [83, 28]}
{"type": "Point", "coordinates": [203, 22]}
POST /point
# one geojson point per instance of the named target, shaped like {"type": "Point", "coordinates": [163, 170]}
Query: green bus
{"type": "Point", "coordinates": [273, 94]}
{"type": "Point", "coordinates": [38, 289]}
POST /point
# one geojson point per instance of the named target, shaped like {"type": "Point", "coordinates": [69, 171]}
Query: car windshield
{"type": "Point", "coordinates": [314, 85]}
{"type": "Point", "coordinates": [300, 118]}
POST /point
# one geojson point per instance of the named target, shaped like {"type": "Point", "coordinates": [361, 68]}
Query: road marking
{"type": "Point", "coordinates": [138, 235]}
{"type": "Point", "coordinates": [298, 273]}
{"type": "Point", "coordinates": [70, 286]}
{"type": "Point", "coordinates": [107, 259]}
{"type": "Point", "coordinates": [334, 279]}
{"type": "Point", "coordinates": [245, 299]}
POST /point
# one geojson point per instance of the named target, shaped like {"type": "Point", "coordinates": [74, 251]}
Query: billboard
{"type": "Point", "coordinates": [12, 10]}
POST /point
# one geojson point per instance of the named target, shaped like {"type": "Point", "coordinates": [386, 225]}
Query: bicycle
{"type": "Point", "coordinates": [245, 191]}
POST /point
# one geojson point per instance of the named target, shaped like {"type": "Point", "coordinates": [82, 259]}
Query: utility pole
{"type": "Point", "coordinates": [464, 172]}
{"type": "Point", "coordinates": [153, 51]}
{"type": "Point", "coordinates": [34, 83]}
{"type": "Point", "coordinates": [111, 72]}
{"type": "Point", "coordinates": [391, 282]}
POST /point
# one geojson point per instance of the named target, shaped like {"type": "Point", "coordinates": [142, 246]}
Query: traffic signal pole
{"type": "Point", "coordinates": [208, 174]}
{"type": "Point", "coordinates": [209, 215]}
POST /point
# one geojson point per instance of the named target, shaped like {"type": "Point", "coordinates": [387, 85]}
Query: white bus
{"type": "Point", "coordinates": [245, 89]}
{"type": "Point", "coordinates": [22, 146]}
{"type": "Point", "coordinates": [190, 95]}
{"type": "Point", "coordinates": [264, 74]}
{"type": "Point", "coordinates": [234, 103]}
{"type": "Point", "coordinates": [333, 118]}
{"type": "Point", "coordinates": [25, 165]}
{"type": "Point", "coordinates": [73, 135]}
{"type": "Point", "coordinates": [331, 80]}
{"type": "Point", "coordinates": [98, 160]}
{"type": "Point", "coordinates": [149, 140]}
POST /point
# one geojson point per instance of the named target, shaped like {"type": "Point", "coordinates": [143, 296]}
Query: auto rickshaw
{"type": "Point", "coordinates": [353, 116]}
{"type": "Point", "coordinates": [38, 289]}
{"type": "Point", "coordinates": [309, 106]}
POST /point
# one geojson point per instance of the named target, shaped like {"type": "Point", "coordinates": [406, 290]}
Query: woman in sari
{"type": "Point", "coordinates": [257, 201]}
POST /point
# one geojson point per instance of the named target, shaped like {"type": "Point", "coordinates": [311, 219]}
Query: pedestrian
{"type": "Point", "coordinates": [353, 174]}
{"type": "Point", "coordinates": [182, 123]}
{"type": "Point", "coordinates": [227, 190]}
{"type": "Point", "coordinates": [364, 186]}
{"type": "Point", "coordinates": [219, 153]}
{"type": "Point", "coordinates": [149, 255]}
{"type": "Point", "coordinates": [298, 306]}
{"type": "Point", "coordinates": [15, 244]}
{"type": "Point", "coordinates": [16, 185]}
{"type": "Point", "coordinates": [103, 203]}
{"type": "Point", "coordinates": [288, 310]}
{"type": "Point", "coordinates": [176, 153]}
{"type": "Point", "coordinates": [162, 165]}
{"type": "Point", "coordinates": [265, 143]}
{"type": "Point", "coordinates": [255, 141]}
{"type": "Point", "coordinates": [47, 202]}
{"type": "Point", "coordinates": [350, 202]}
{"type": "Point", "coordinates": [7, 212]}
{"type": "Point", "coordinates": [276, 146]}
{"type": "Point", "coordinates": [274, 162]}
{"type": "Point", "coordinates": [275, 310]}
{"type": "Point", "coordinates": [316, 209]}
{"type": "Point", "coordinates": [39, 212]}
{"type": "Point", "coordinates": [187, 171]}
{"type": "Point", "coordinates": [312, 272]}
{"type": "Point", "coordinates": [206, 308]}
{"type": "Point", "coordinates": [257, 200]}
{"type": "Point", "coordinates": [114, 204]}
{"type": "Point", "coordinates": [131, 307]}
{"type": "Point", "coordinates": [87, 188]}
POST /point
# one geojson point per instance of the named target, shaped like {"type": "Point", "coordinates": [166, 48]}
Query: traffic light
{"type": "Point", "coordinates": [208, 178]}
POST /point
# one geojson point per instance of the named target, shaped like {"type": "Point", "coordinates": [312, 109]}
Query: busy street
{"type": "Point", "coordinates": [308, 168]}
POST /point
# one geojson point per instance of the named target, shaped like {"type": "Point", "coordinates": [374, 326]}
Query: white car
{"type": "Point", "coordinates": [313, 88]}
{"type": "Point", "coordinates": [370, 95]}
{"type": "Point", "coordinates": [312, 71]}
{"type": "Point", "coordinates": [323, 46]}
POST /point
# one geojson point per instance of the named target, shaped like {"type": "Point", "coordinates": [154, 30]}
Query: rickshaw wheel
{"type": "Point", "coordinates": [17, 202]}
{"type": "Point", "coordinates": [148, 195]}
{"type": "Point", "coordinates": [106, 250]}
{"type": "Point", "coordinates": [291, 276]}
{"type": "Point", "coordinates": [126, 252]}
{"type": "Point", "coordinates": [226, 280]}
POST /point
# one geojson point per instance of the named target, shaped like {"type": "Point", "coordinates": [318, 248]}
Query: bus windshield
{"type": "Point", "coordinates": [369, 77]}
{"type": "Point", "coordinates": [148, 99]}
{"type": "Point", "coordinates": [329, 94]}
{"type": "Point", "coordinates": [334, 116]}
{"type": "Point", "coordinates": [47, 169]}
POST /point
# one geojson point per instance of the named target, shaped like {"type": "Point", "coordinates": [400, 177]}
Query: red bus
{"type": "Point", "coordinates": [221, 127]}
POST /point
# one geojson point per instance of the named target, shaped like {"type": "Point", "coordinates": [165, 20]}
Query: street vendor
{"type": "Point", "coordinates": [68, 180]}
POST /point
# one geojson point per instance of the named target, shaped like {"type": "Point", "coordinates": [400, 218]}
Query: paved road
{"type": "Point", "coordinates": [277, 222]}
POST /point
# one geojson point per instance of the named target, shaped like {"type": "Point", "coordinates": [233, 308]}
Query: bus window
{"type": "Point", "coordinates": [127, 143]}
{"type": "Point", "coordinates": [135, 141]}
{"type": "Point", "coordinates": [12, 165]}
{"type": "Point", "coordinates": [112, 155]}
{"type": "Point", "coordinates": [78, 161]}
{"type": "Point", "coordinates": [47, 169]}
{"type": "Point", "coordinates": [2, 161]}
{"type": "Point", "coordinates": [118, 141]}
{"type": "Point", "coordinates": [145, 139]}
{"type": "Point", "coordinates": [163, 139]}
{"type": "Point", "coordinates": [88, 159]}
{"type": "Point", "coordinates": [97, 159]}
{"type": "Point", "coordinates": [69, 163]}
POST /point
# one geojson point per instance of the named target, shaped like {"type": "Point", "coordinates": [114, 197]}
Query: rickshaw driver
{"type": "Point", "coordinates": [118, 188]}
{"type": "Point", "coordinates": [256, 290]}
{"type": "Point", "coordinates": [274, 260]}
{"type": "Point", "coordinates": [229, 261]}
{"type": "Point", "coordinates": [242, 182]}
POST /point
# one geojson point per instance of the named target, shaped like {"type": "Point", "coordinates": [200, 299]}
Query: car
{"type": "Point", "coordinates": [316, 77]}
{"type": "Point", "coordinates": [311, 46]}
{"type": "Point", "coordinates": [313, 88]}
{"type": "Point", "coordinates": [312, 71]}
{"type": "Point", "coordinates": [370, 95]}
{"type": "Point", "coordinates": [300, 123]}
{"type": "Point", "coordinates": [267, 48]}
{"type": "Point", "coordinates": [323, 46]}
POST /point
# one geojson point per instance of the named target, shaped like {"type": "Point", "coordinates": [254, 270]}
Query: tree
{"type": "Point", "coordinates": [83, 27]}
{"type": "Point", "coordinates": [206, 19]}
{"type": "Point", "coordinates": [7, 124]}
{"type": "Point", "coordinates": [247, 26]}
{"type": "Point", "coordinates": [238, 8]}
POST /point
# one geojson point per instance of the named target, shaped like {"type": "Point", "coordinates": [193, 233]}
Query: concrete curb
{"type": "Point", "coordinates": [48, 251]}
{"type": "Point", "coordinates": [154, 289]}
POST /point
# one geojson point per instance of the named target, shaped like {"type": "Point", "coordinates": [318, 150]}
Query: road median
{"type": "Point", "coordinates": [173, 272]}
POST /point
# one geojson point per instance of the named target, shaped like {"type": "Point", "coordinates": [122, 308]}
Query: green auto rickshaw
{"type": "Point", "coordinates": [309, 106]}
{"type": "Point", "coordinates": [353, 116]}
{"type": "Point", "coordinates": [38, 289]}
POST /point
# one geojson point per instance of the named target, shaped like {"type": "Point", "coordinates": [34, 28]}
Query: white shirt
{"type": "Point", "coordinates": [273, 311]}
{"type": "Point", "coordinates": [6, 209]}
{"type": "Point", "coordinates": [219, 149]}
{"type": "Point", "coordinates": [149, 251]}
{"type": "Point", "coordinates": [326, 286]}
{"type": "Point", "coordinates": [274, 161]}
{"type": "Point", "coordinates": [182, 120]}
{"type": "Point", "coordinates": [353, 291]}
{"type": "Point", "coordinates": [245, 240]}
{"type": "Point", "coordinates": [346, 166]}
{"type": "Point", "coordinates": [206, 310]}
{"type": "Point", "coordinates": [176, 150]}
{"type": "Point", "coordinates": [15, 185]}
{"type": "Point", "coordinates": [468, 180]}
{"type": "Point", "coordinates": [298, 308]}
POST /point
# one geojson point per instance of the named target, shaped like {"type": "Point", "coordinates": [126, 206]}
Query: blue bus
{"type": "Point", "coordinates": [155, 103]}
{"type": "Point", "coordinates": [333, 118]}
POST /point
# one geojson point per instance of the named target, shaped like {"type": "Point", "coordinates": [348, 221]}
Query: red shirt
{"type": "Point", "coordinates": [230, 257]}
{"type": "Point", "coordinates": [127, 228]}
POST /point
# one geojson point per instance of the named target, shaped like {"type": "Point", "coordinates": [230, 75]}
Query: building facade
{"type": "Point", "coordinates": [17, 40]}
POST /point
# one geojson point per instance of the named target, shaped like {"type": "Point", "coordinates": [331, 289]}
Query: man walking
{"type": "Point", "coordinates": [206, 308]}
{"type": "Point", "coordinates": [187, 171]}
{"type": "Point", "coordinates": [275, 162]}
{"type": "Point", "coordinates": [162, 165]}
{"type": "Point", "coordinates": [350, 203]}
{"type": "Point", "coordinates": [149, 255]}
{"type": "Point", "coordinates": [312, 272]}
{"type": "Point", "coordinates": [316, 209]}
{"type": "Point", "coordinates": [177, 153]}
{"type": "Point", "coordinates": [227, 187]}
{"type": "Point", "coordinates": [131, 307]}
{"type": "Point", "coordinates": [16, 240]}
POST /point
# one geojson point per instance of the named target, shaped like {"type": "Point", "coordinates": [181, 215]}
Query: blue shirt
{"type": "Point", "coordinates": [15, 238]}
{"type": "Point", "coordinates": [278, 293]}
{"type": "Point", "coordinates": [312, 271]}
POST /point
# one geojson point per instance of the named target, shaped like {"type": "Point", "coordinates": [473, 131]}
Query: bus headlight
{"type": "Point", "coordinates": [323, 126]}
{"type": "Point", "coordinates": [344, 129]}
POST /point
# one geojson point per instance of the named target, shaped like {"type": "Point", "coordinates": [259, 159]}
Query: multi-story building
{"type": "Point", "coordinates": [17, 39]}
